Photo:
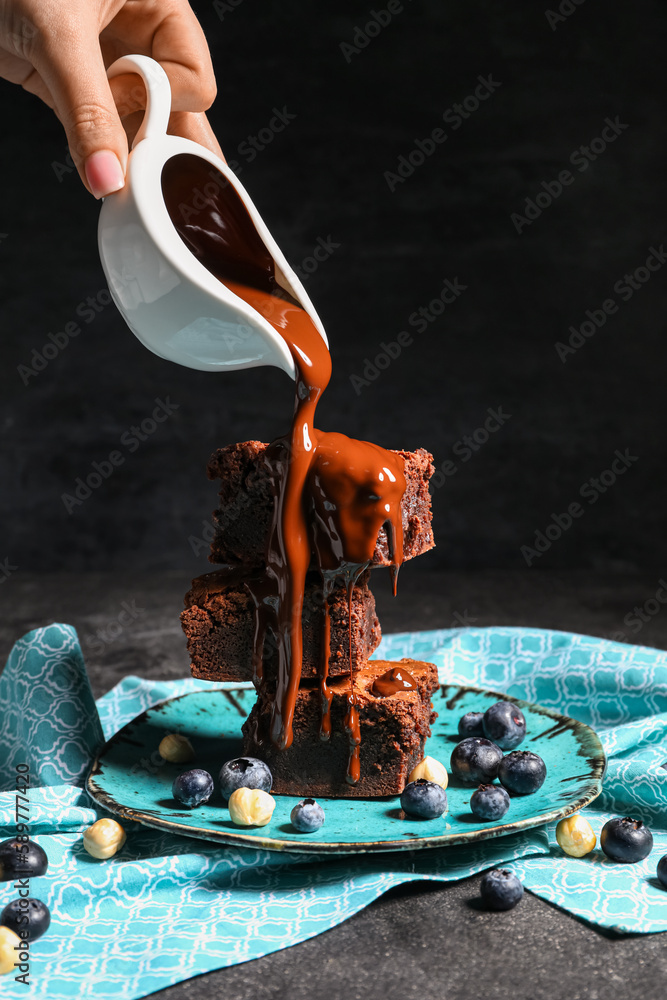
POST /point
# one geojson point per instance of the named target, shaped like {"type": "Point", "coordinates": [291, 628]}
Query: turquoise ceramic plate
{"type": "Point", "coordinates": [130, 779]}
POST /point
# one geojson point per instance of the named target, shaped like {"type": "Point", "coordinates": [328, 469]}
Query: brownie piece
{"type": "Point", "coordinates": [219, 622]}
{"type": "Point", "coordinates": [243, 519]}
{"type": "Point", "coordinates": [393, 732]}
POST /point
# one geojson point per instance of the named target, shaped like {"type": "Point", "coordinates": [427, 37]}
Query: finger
{"type": "Point", "coordinates": [20, 71]}
{"type": "Point", "coordinates": [132, 124]}
{"type": "Point", "coordinates": [193, 126]}
{"type": "Point", "coordinates": [13, 67]}
{"type": "Point", "coordinates": [129, 93]}
{"type": "Point", "coordinates": [69, 61]}
{"type": "Point", "coordinates": [178, 44]}
{"type": "Point", "coordinates": [196, 127]}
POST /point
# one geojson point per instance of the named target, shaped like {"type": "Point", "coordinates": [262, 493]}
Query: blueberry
{"type": "Point", "coordinates": [307, 816]}
{"type": "Point", "coordinates": [626, 840]}
{"type": "Point", "coordinates": [424, 799]}
{"type": "Point", "coordinates": [244, 772]}
{"type": "Point", "coordinates": [490, 802]}
{"type": "Point", "coordinates": [37, 912]}
{"type": "Point", "coordinates": [192, 788]}
{"type": "Point", "coordinates": [21, 860]}
{"type": "Point", "coordinates": [522, 772]}
{"type": "Point", "coordinates": [475, 760]}
{"type": "Point", "coordinates": [501, 890]}
{"type": "Point", "coordinates": [470, 724]}
{"type": "Point", "coordinates": [662, 870]}
{"type": "Point", "coordinates": [505, 725]}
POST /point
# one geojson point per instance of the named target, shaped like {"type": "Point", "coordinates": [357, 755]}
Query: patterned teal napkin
{"type": "Point", "coordinates": [168, 908]}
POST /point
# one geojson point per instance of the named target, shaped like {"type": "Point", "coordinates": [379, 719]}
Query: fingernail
{"type": "Point", "coordinates": [104, 173]}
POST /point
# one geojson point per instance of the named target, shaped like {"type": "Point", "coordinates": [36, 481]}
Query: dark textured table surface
{"type": "Point", "coordinates": [424, 942]}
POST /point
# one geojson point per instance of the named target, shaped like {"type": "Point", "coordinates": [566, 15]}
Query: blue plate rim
{"type": "Point", "coordinates": [584, 734]}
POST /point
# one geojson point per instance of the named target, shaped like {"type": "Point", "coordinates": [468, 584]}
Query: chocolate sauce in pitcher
{"type": "Point", "coordinates": [332, 494]}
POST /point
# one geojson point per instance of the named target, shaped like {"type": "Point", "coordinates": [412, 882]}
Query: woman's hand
{"type": "Point", "coordinates": [59, 50]}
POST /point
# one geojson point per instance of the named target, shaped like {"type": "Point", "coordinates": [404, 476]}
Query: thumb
{"type": "Point", "coordinates": [71, 65]}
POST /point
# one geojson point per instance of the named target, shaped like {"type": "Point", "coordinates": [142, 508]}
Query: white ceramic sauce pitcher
{"type": "Point", "coordinates": [168, 298]}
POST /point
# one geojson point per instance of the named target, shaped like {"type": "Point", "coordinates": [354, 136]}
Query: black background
{"type": "Point", "coordinates": [323, 176]}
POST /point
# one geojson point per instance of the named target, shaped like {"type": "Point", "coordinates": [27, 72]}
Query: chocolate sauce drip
{"type": "Point", "coordinates": [353, 733]}
{"type": "Point", "coordinates": [351, 720]}
{"type": "Point", "coordinates": [288, 552]}
{"type": "Point", "coordinates": [392, 681]}
{"type": "Point", "coordinates": [265, 603]}
{"type": "Point", "coordinates": [325, 691]}
{"type": "Point", "coordinates": [355, 487]}
{"type": "Point", "coordinates": [332, 493]}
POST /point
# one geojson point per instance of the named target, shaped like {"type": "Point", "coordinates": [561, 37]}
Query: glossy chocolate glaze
{"type": "Point", "coordinates": [392, 681]}
{"type": "Point", "coordinates": [332, 493]}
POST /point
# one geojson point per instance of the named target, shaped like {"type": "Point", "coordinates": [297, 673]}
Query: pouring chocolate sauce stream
{"type": "Point", "coordinates": [332, 494]}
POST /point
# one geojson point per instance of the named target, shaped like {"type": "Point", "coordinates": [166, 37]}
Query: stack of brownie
{"type": "Point", "coordinates": [219, 622]}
